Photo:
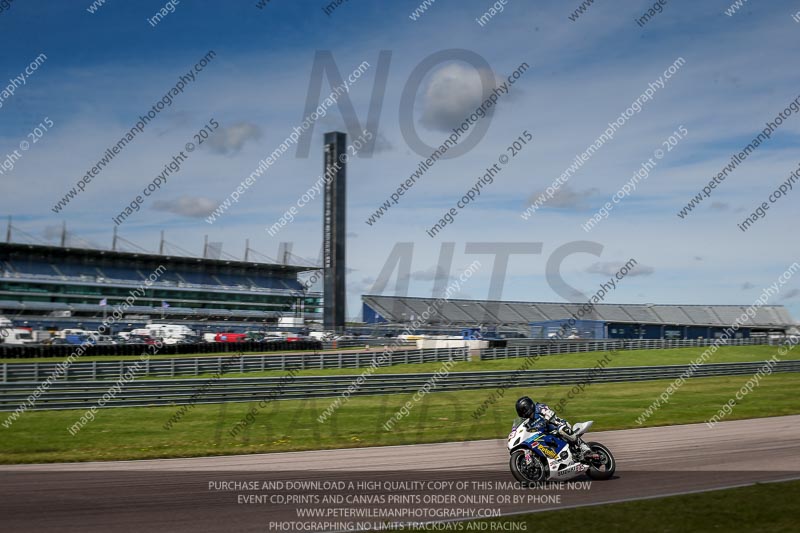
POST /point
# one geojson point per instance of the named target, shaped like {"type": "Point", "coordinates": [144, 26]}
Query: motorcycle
{"type": "Point", "coordinates": [538, 457]}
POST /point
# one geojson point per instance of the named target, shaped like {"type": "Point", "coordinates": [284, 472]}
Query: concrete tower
{"type": "Point", "coordinates": [333, 230]}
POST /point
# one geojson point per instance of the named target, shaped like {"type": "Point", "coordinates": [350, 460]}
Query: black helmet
{"type": "Point", "coordinates": [525, 407]}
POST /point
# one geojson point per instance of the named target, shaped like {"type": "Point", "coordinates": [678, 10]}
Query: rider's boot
{"type": "Point", "coordinates": [584, 452]}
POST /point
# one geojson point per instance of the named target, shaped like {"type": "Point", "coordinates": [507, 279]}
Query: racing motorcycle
{"type": "Point", "coordinates": [538, 457]}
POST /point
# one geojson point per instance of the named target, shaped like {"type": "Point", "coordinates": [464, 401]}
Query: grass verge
{"type": "Point", "coordinates": [672, 356]}
{"type": "Point", "coordinates": [677, 356]}
{"type": "Point", "coordinates": [762, 507]}
{"type": "Point", "coordinates": [139, 433]}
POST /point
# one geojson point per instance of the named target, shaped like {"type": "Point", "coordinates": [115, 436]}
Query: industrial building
{"type": "Point", "coordinates": [605, 321]}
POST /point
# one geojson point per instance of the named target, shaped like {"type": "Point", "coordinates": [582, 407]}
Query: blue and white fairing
{"type": "Point", "coordinates": [554, 452]}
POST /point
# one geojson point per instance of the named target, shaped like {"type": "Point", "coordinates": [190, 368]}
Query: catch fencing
{"type": "Point", "coordinates": [33, 351]}
{"type": "Point", "coordinates": [529, 347]}
{"type": "Point", "coordinates": [196, 366]}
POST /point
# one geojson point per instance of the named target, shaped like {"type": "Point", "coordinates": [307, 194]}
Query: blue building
{"type": "Point", "coordinates": [598, 329]}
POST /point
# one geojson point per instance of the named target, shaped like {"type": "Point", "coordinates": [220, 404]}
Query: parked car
{"type": "Point", "coordinates": [189, 339]}
{"type": "Point", "coordinates": [80, 339]}
{"type": "Point", "coordinates": [141, 339]}
{"type": "Point", "coordinates": [56, 341]}
{"type": "Point", "coordinates": [105, 340]}
{"type": "Point", "coordinates": [230, 337]}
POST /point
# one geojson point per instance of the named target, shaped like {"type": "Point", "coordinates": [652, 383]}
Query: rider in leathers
{"type": "Point", "coordinates": [543, 419]}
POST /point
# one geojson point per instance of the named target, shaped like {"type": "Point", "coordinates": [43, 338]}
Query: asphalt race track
{"type": "Point", "coordinates": [422, 483]}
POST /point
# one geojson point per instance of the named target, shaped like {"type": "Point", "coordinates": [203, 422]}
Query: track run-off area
{"type": "Point", "coordinates": [428, 482]}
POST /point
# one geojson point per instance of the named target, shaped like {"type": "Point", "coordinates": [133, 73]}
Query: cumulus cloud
{"type": "Point", "coordinates": [231, 139]}
{"type": "Point", "coordinates": [566, 198]}
{"type": "Point", "coordinates": [429, 274]}
{"type": "Point", "coordinates": [794, 293]}
{"type": "Point", "coordinates": [188, 206]}
{"type": "Point", "coordinates": [747, 286]}
{"type": "Point", "coordinates": [453, 93]}
{"type": "Point", "coordinates": [610, 268]}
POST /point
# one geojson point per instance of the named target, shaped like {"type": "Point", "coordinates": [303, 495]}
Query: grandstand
{"type": "Point", "coordinates": [541, 319]}
{"type": "Point", "coordinates": [57, 287]}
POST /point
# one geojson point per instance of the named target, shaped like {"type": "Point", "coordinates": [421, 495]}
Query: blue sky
{"type": "Point", "coordinates": [104, 69]}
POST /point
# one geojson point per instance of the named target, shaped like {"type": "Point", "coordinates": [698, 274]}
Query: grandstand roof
{"type": "Point", "coordinates": [113, 256]}
{"type": "Point", "coordinates": [403, 309]}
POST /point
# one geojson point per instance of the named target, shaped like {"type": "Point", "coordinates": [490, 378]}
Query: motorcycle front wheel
{"type": "Point", "coordinates": [524, 472]}
{"type": "Point", "coordinates": [604, 467]}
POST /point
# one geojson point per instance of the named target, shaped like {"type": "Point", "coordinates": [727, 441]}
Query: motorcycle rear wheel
{"type": "Point", "coordinates": [535, 472]}
{"type": "Point", "coordinates": [605, 467]}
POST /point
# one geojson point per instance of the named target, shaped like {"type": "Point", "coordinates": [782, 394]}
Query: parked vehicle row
{"type": "Point", "coordinates": [9, 334]}
{"type": "Point", "coordinates": [167, 334]}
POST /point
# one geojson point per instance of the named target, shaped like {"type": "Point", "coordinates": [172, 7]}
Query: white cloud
{"type": "Point", "coordinates": [610, 268]}
{"type": "Point", "coordinates": [231, 139]}
{"type": "Point", "coordinates": [453, 93]}
{"type": "Point", "coordinates": [188, 206]}
{"type": "Point", "coordinates": [566, 198]}
{"type": "Point", "coordinates": [794, 293]}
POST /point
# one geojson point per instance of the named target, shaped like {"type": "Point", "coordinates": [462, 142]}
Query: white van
{"type": "Point", "coordinates": [167, 333]}
{"type": "Point", "coordinates": [13, 335]}
{"type": "Point", "coordinates": [62, 333]}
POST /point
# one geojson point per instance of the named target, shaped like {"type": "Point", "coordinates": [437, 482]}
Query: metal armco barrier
{"type": "Point", "coordinates": [195, 366]}
{"type": "Point", "coordinates": [29, 351]}
{"type": "Point", "coordinates": [363, 343]}
{"type": "Point", "coordinates": [528, 347]}
{"type": "Point", "coordinates": [82, 395]}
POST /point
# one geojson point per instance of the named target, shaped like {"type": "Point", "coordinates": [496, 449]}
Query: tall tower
{"type": "Point", "coordinates": [333, 230]}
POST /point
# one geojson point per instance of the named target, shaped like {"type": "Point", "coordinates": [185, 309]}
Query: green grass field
{"type": "Point", "coordinates": [678, 356]}
{"type": "Point", "coordinates": [768, 507]}
{"type": "Point", "coordinates": [674, 356]}
{"type": "Point", "coordinates": [138, 433]}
